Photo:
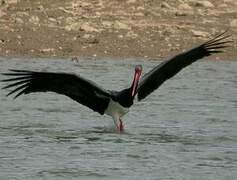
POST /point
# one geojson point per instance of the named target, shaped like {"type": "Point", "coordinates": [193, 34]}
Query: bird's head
{"type": "Point", "coordinates": [137, 75]}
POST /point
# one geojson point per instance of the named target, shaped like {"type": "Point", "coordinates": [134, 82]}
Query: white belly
{"type": "Point", "coordinates": [114, 109]}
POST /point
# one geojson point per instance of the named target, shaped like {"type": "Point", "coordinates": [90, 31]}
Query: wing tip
{"type": "Point", "coordinates": [218, 43]}
{"type": "Point", "coordinates": [20, 81]}
{"type": "Point", "coordinates": [21, 88]}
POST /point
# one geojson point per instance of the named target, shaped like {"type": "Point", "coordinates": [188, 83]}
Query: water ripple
{"type": "Point", "coordinates": [184, 130]}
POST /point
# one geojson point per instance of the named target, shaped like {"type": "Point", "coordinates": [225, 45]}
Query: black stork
{"type": "Point", "coordinates": [113, 103]}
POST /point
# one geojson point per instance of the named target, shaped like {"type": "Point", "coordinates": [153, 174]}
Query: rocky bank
{"type": "Point", "coordinates": [150, 29]}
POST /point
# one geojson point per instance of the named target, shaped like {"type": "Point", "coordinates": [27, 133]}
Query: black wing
{"type": "Point", "coordinates": [79, 89]}
{"type": "Point", "coordinates": [153, 79]}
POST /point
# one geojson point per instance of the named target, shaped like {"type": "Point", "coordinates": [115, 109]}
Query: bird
{"type": "Point", "coordinates": [113, 103]}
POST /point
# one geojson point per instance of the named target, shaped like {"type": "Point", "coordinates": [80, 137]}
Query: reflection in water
{"type": "Point", "coordinates": [184, 130]}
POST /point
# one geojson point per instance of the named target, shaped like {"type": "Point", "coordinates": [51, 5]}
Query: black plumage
{"type": "Point", "coordinates": [79, 89]}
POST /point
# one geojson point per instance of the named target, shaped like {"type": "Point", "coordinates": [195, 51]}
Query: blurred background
{"type": "Point", "coordinates": [150, 29]}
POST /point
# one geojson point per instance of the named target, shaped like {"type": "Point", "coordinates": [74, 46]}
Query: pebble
{"type": "Point", "coordinates": [186, 13]}
{"type": "Point", "coordinates": [12, 1]}
{"type": "Point", "coordinates": [206, 4]}
{"type": "Point", "coordinates": [22, 14]}
{"type": "Point", "coordinates": [88, 28]}
{"type": "Point", "coordinates": [52, 19]}
{"type": "Point", "coordinates": [73, 27]}
{"type": "Point", "coordinates": [197, 33]}
{"type": "Point", "coordinates": [223, 5]}
{"type": "Point", "coordinates": [86, 36]}
{"type": "Point", "coordinates": [34, 20]}
{"type": "Point", "coordinates": [131, 35]}
{"type": "Point", "coordinates": [107, 24]}
{"type": "Point", "coordinates": [2, 13]}
{"type": "Point", "coordinates": [184, 6]}
{"type": "Point", "coordinates": [19, 20]}
{"type": "Point", "coordinates": [165, 5]}
{"type": "Point", "coordinates": [131, 1]}
{"type": "Point", "coordinates": [40, 8]}
{"type": "Point", "coordinates": [121, 25]}
{"type": "Point", "coordinates": [233, 23]}
{"type": "Point", "coordinates": [46, 50]}
{"type": "Point", "coordinates": [69, 20]}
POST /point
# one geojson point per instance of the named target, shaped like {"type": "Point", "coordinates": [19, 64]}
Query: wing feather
{"type": "Point", "coordinates": [78, 88]}
{"type": "Point", "coordinates": [167, 69]}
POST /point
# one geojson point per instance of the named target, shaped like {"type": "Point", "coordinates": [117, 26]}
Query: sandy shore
{"type": "Point", "coordinates": [113, 28]}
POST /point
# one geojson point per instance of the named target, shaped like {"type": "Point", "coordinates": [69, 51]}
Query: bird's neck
{"type": "Point", "coordinates": [124, 98]}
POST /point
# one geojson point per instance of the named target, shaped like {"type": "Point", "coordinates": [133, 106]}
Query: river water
{"type": "Point", "coordinates": [187, 129]}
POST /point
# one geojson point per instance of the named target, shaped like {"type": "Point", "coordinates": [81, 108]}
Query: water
{"type": "Point", "coordinates": [184, 130]}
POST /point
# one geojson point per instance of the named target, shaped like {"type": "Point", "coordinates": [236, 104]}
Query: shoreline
{"type": "Point", "coordinates": [77, 59]}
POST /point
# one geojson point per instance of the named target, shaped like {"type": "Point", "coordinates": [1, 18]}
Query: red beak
{"type": "Point", "coordinates": [137, 75]}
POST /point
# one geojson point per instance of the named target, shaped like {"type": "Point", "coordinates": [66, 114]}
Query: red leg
{"type": "Point", "coordinates": [121, 126]}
